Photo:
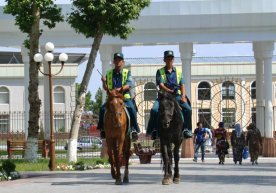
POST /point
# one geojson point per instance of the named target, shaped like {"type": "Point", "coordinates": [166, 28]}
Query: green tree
{"type": "Point", "coordinates": [96, 105]}
{"type": "Point", "coordinates": [28, 14]}
{"type": "Point", "coordinates": [88, 102]}
{"type": "Point", "coordinates": [94, 19]}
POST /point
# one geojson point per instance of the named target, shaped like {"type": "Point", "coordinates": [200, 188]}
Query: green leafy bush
{"type": "Point", "coordinates": [7, 171]}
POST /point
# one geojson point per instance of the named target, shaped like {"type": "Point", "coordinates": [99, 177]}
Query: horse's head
{"type": "Point", "coordinates": [168, 106]}
{"type": "Point", "coordinates": [115, 106]}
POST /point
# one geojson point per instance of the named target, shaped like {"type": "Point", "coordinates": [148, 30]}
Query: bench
{"type": "Point", "coordinates": [20, 145]}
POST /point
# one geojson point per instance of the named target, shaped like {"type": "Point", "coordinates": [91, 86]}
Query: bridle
{"type": "Point", "coordinates": [118, 112]}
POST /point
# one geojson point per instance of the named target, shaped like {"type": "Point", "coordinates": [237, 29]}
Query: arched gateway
{"type": "Point", "coordinates": [185, 23]}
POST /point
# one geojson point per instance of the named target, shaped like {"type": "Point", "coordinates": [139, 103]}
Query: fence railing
{"type": "Point", "coordinates": [12, 127]}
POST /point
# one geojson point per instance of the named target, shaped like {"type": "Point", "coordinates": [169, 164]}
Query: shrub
{"type": "Point", "coordinates": [7, 171]}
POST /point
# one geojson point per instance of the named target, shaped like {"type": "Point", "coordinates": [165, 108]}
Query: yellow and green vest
{"type": "Point", "coordinates": [178, 76]}
{"type": "Point", "coordinates": [109, 76]}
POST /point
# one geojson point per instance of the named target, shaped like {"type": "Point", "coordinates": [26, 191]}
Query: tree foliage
{"type": "Point", "coordinates": [111, 17]}
{"type": "Point", "coordinates": [93, 19]}
{"type": "Point", "coordinates": [25, 18]}
{"type": "Point", "coordinates": [28, 14]}
{"type": "Point", "coordinates": [96, 105]}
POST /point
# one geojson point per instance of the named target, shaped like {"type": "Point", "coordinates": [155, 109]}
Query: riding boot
{"type": "Point", "coordinates": [134, 136]}
{"type": "Point", "coordinates": [186, 133]}
{"type": "Point", "coordinates": [154, 135]}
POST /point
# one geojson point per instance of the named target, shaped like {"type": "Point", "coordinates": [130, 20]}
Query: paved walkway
{"type": "Point", "coordinates": [198, 177]}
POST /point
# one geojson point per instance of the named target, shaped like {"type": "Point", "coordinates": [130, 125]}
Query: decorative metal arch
{"type": "Point", "coordinates": [223, 109]}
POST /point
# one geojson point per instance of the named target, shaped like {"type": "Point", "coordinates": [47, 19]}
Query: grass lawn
{"type": "Point", "coordinates": [42, 164]}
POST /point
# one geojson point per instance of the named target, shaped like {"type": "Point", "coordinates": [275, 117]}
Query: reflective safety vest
{"type": "Point", "coordinates": [109, 76]}
{"type": "Point", "coordinates": [178, 76]}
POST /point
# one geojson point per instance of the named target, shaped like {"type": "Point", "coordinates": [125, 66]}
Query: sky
{"type": "Point", "coordinates": [238, 49]}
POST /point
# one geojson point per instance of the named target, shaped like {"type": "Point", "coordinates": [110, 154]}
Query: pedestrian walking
{"type": "Point", "coordinates": [221, 142]}
{"type": "Point", "coordinates": [238, 143]}
{"type": "Point", "coordinates": [254, 141]}
{"type": "Point", "coordinates": [199, 141]}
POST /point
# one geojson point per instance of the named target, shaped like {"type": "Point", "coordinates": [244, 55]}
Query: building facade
{"type": "Point", "coordinates": [222, 89]}
{"type": "Point", "coordinates": [13, 115]}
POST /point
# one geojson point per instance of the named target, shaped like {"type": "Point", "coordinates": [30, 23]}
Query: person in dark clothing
{"type": "Point", "coordinates": [238, 143]}
{"type": "Point", "coordinates": [254, 141]}
{"type": "Point", "coordinates": [221, 142]}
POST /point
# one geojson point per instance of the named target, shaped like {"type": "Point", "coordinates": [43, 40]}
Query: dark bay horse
{"type": "Point", "coordinates": [170, 129]}
{"type": "Point", "coordinates": [117, 139]}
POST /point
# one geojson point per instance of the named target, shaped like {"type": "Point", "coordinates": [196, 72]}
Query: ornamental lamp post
{"type": "Point", "coordinates": [49, 57]}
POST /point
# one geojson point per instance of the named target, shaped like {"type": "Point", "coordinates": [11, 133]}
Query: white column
{"type": "Point", "coordinates": [259, 95]}
{"type": "Point", "coordinates": [243, 121]}
{"type": "Point", "coordinates": [268, 97]}
{"type": "Point", "coordinates": [186, 54]}
{"type": "Point", "coordinates": [116, 48]}
{"type": "Point", "coordinates": [263, 52]}
{"type": "Point", "coordinates": [26, 62]}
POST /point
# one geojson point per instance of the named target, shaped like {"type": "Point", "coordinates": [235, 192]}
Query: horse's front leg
{"type": "Point", "coordinates": [170, 154]}
{"type": "Point", "coordinates": [111, 160]}
{"type": "Point", "coordinates": [126, 159]}
{"type": "Point", "coordinates": [118, 160]}
{"type": "Point", "coordinates": [167, 178]}
{"type": "Point", "coordinates": [176, 176]}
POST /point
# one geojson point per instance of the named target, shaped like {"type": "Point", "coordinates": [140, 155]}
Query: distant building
{"type": "Point", "coordinates": [12, 89]}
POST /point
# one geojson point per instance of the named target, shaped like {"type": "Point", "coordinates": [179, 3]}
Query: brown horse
{"type": "Point", "coordinates": [117, 139]}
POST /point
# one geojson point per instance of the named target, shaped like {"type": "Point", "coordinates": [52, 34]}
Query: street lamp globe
{"type": "Point", "coordinates": [49, 47]}
{"type": "Point", "coordinates": [49, 57]}
{"type": "Point", "coordinates": [63, 57]}
{"type": "Point", "coordinates": [38, 57]}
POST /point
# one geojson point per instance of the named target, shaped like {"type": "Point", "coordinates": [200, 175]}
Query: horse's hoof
{"type": "Point", "coordinates": [166, 181]}
{"type": "Point", "coordinates": [176, 180]}
{"type": "Point", "coordinates": [118, 182]}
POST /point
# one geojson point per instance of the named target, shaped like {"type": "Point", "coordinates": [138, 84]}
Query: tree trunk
{"type": "Point", "coordinates": [34, 101]}
{"type": "Point", "coordinates": [72, 144]}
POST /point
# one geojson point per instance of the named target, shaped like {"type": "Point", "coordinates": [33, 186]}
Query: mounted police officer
{"type": "Point", "coordinates": [120, 79]}
{"type": "Point", "coordinates": [170, 79]}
